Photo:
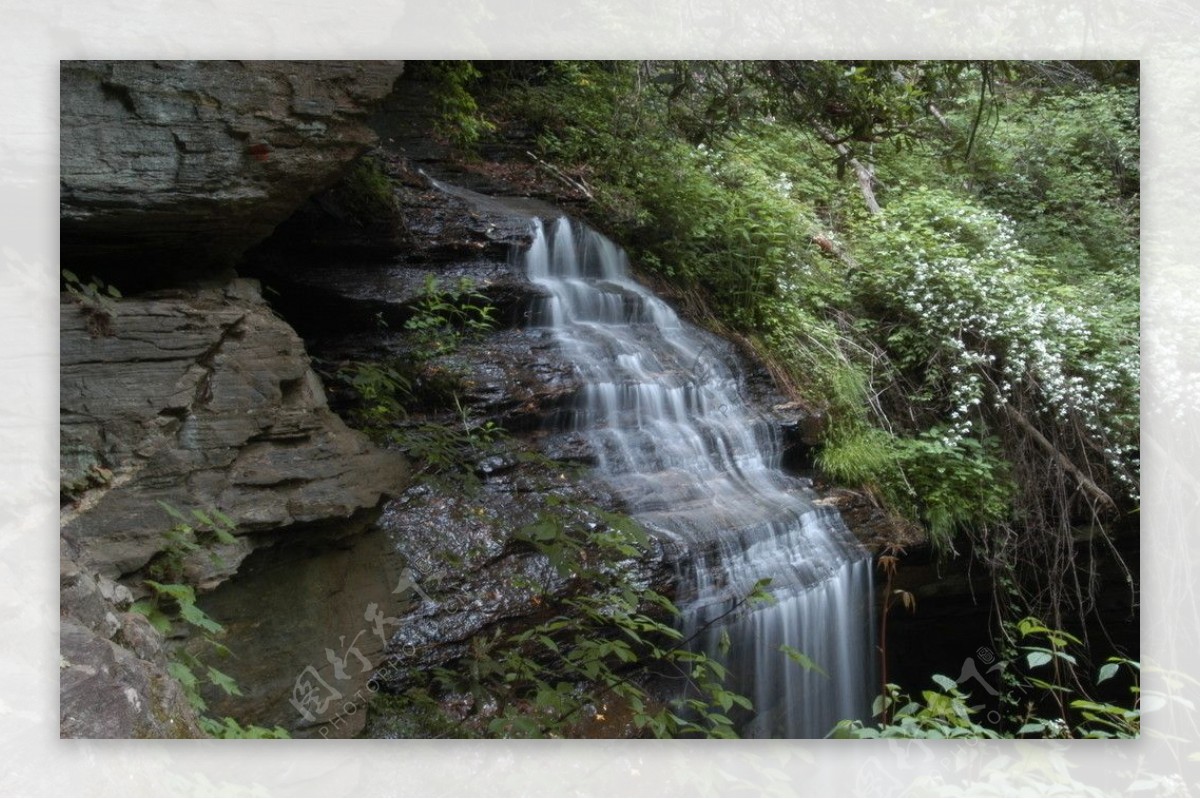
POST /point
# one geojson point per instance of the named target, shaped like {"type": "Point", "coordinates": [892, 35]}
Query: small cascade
{"type": "Point", "coordinates": [661, 407]}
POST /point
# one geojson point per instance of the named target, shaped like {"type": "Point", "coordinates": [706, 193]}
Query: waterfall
{"type": "Point", "coordinates": [676, 443]}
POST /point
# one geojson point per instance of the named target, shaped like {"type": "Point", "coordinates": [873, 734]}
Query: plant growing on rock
{"type": "Point", "coordinates": [444, 317]}
{"type": "Point", "coordinates": [96, 298]}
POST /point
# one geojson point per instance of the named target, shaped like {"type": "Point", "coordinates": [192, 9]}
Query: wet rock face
{"type": "Point", "coordinates": [469, 568]}
{"type": "Point", "coordinates": [188, 163]}
{"type": "Point", "coordinates": [315, 632]}
{"type": "Point", "coordinates": [202, 400]}
{"type": "Point", "coordinates": [445, 238]}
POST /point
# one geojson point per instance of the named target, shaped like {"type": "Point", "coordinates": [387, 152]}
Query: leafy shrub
{"type": "Point", "coordinates": [458, 116]}
{"type": "Point", "coordinates": [964, 320]}
{"type": "Point", "coordinates": [946, 713]}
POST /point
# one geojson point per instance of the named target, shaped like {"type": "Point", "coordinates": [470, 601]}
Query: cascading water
{"type": "Point", "coordinates": [677, 444]}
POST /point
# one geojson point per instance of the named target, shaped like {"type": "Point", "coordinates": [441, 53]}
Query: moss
{"type": "Point", "coordinates": [367, 192]}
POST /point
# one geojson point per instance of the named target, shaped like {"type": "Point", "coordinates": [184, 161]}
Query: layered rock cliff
{"type": "Point", "coordinates": [168, 165]}
{"type": "Point", "coordinates": [188, 392]}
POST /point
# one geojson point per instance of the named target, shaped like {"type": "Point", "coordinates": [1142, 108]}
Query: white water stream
{"type": "Point", "coordinates": [676, 442]}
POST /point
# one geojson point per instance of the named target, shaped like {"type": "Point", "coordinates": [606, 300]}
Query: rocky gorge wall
{"type": "Point", "coordinates": [193, 394]}
{"type": "Point", "coordinates": [191, 391]}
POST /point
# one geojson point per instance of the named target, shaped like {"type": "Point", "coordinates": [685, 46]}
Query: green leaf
{"type": "Point", "coordinates": [223, 681]}
{"type": "Point", "coordinates": [220, 648]}
{"type": "Point", "coordinates": [805, 662]}
{"type": "Point", "coordinates": [224, 536]}
{"type": "Point", "coordinates": [182, 673]}
{"type": "Point", "coordinates": [172, 511]}
{"type": "Point", "coordinates": [945, 682]}
{"type": "Point", "coordinates": [198, 618]}
{"type": "Point", "coordinates": [184, 594]}
{"type": "Point", "coordinates": [1036, 659]}
{"type": "Point", "coordinates": [1107, 671]}
{"type": "Point", "coordinates": [158, 620]}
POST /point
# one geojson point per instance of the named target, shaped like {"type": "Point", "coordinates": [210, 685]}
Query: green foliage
{"type": "Point", "coordinates": [946, 713]}
{"type": "Point", "coordinates": [384, 395]}
{"type": "Point", "coordinates": [96, 298]}
{"type": "Point", "coordinates": [452, 451]}
{"type": "Point", "coordinates": [802, 660]}
{"type": "Point", "coordinates": [964, 320]}
{"type": "Point", "coordinates": [381, 392]}
{"type": "Point", "coordinates": [954, 484]}
{"type": "Point", "coordinates": [860, 455]}
{"type": "Point", "coordinates": [1081, 717]}
{"type": "Point", "coordinates": [1066, 168]}
{"type": "Point", "coordinates": [171, 600]}
{"type": "Point", "coordinates": [227, 727]}
{"type": "Point", "coordinates": [938, 715]}
{"type": "Point", "coordinates": [1107, 719]}
{"type": "Point", "coordinates": [947, 483]}
{"type": "Point", "coordinates": [587, 658]}
{"type": "Point", "coordinates": [445, 317]}
{"type": "Point", "coordinates": [198, 532]}
{"type": "Point", "coordinates": [458, 116]}
{"type": "Point", "coordinates": [367, 191]}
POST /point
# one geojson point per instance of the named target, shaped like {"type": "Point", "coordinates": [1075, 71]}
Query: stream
{"type": "Point", "coordinates": [697, 467]}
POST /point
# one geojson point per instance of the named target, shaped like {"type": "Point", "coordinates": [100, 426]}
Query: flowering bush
{"type": "Point", "coordinates": [958, 302]}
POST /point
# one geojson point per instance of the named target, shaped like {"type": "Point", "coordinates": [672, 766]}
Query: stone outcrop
{"type": "Point", "coordinates": [167, 165]}
{"type": "Point", "coordinates": [204, 400]}
{"type": "Point", "coordinates": [201, 399]}
{"type": "Point", "coordinates": [113, 673]}
{"type": "Point", "coordinates": [190, 392]}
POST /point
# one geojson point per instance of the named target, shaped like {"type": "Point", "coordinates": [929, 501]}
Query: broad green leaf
{"type": "Point", "coordinates": [223, 681]}
{"type": "Point", "coordinates": [195, 616]}
{"type": "Point", "coordinates": [945, 682]}
{"type": "Point", "coordinates": [182, 673]}
{"type": "Point", "coordinates": [805, 662]}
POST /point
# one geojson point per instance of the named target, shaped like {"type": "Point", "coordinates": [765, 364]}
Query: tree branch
{"type": "Point", "coordinates": [861, 170]}
{"type": "Point", "coordinates": [578, 185]}
{"type": "Point", "coordinates": [1085, 482]}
